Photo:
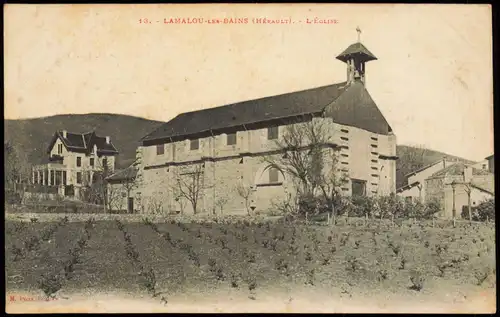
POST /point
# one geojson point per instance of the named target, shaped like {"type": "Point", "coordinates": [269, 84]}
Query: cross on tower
{"type": "Point", "coordinates": [359, 33]}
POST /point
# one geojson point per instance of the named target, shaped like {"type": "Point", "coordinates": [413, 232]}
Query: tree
{"type": "Point", "coordinates": [17, 170]}
{"type": "Point", "coordinates": [94, 184]}
{"type": "Point", "coordinates": [189, 184]}
{"type": "Point", "coordinates": [330, 184]}
{"type": "Point", "coordinates": [245, 191]}
{"type": "Point", "coordinates": [16, 166]}
{"type": "Point", "coordinates": [221, 201]}
{"type": "Point", "coordinates": [114, 198]}
{"type": "Point", "coordinates": [308, 156]}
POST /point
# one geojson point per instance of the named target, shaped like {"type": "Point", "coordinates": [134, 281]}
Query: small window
{"type": "Point", "coordinates": [344, 138]}
{"type": "Point", "coordinates": [194, 144]}
{"type": "Point", "coordinates": [231, 138]}
{"type": "Point", "coordinates": [78, 161]}
{"type": "Point", "coordinates": [272, 133]}
{"type": "Point", "coordinates": [92, 161]}
{"type": "Point", "coordinates": [59, 148]}
{"type": "Point", "coordinates": [160, 149]}
{"type": "Point", "coordinates": [484, 166]}
{"type": "Point", "coordinates": [78, 177]}
{"type": "Point", "coordinates": [65, 182]}
{"type": "Point", "coordinates": [105, 163]}
{"type": "Point", "coordinates": [374, 146]}
{"type": "Point", "coordinates": [273, 175]}
{"type": "Point", "coordinates": [408, 199]}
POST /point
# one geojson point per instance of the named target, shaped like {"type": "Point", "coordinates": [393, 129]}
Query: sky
{"type": "Point", "coordinates": [433, 79]}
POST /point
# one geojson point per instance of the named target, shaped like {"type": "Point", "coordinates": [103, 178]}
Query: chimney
{"type": "Point", "coordinates": [65, 134]}
{"type": "Point", "coordinates": [107, 140]}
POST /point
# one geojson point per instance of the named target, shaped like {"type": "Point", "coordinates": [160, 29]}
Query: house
{"type": "Point", "coordinates": [483, 165]}
{"type": "Point", "coordinates": [73, 161]}
{"type": "Point", "coordinates": [491, 163]}
{"type": "Point", "coordinates": [222, 148]}
{"type": "Point", "coordinates": [450, 187]}
{"type": "Point", "coordinates": [415, 189]}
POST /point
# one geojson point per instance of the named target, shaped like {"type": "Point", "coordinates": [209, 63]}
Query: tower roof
{"type": "Point", "coordinates": [356, 49]}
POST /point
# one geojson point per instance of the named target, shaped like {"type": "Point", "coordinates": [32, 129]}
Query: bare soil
{"type": "Point", "coordinates": [249, 267]}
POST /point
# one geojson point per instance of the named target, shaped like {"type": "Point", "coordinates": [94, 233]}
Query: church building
{"type": "Point", "coordinates": [219, 149]}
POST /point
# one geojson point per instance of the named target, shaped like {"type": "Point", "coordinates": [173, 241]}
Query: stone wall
{"type": "Point", "coordinates": [362, 154]}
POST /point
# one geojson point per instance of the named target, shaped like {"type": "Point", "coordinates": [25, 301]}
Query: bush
{"type": "Point", "coordinates": [308, 203]}
{"type": "Point", "coordinates": [12, 197]}
{"type": "Point", "coordinates": [481, 212]}
{"type": "Point", "coordinates": [392, 205]}
{"type": "Point", "coordinates": [361, 206]}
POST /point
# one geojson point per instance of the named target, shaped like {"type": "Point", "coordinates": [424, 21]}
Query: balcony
{"type": "Point", "coordinates": [56, 159]}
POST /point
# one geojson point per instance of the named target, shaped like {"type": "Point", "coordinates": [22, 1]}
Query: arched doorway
{"type": "Point", "coordinates": [270, 186]}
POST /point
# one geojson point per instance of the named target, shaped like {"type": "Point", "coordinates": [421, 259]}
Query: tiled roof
{"type": "Point", "coordinates": [100, 142]}
{"type": "Point", "coordinates": [350, 105]}
{"type": "Point", "coordinates": [356, 49]}
{"type": "Point", "coordinates": [458, 169]}
{"type": "Point", "coordinates": [128, 173]}
{"type": "Point", "coordinates": [408, 186]}
{"type": "Point", "coordinates": [423, 168]}
{"type": "Point", "coordinates": [247, 112]}
{"type": "Point", "coordinates": [486, 187]}
{"type": "Point", "coordinates": [83, 142]}
{"type": "Point", "coordinates": [355, 107]}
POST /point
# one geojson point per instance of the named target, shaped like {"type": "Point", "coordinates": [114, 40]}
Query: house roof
{"type": "Point", "coordinates": [349, 105]}
{"type": "Point", "coordinates": [355, 107]}
{"type": "Point", "coordinates": [426, 167]}
{"type": "Point", "coordinates": [405, 187]}
{"type": "Point", "coordinates": [248, 112]}
{"type": "Point", "coordinates": [485, 188]}
{"type": "Point", "coordinates": [491, 156]}
{"type": "Point", "coordinates": [128, 173]}
{"type": "Point", "coordinates": [78, 142]}
{"type": "Point", "coordinates": [356, 49]}
{"type": "Point", "coordinates": [458, 169]}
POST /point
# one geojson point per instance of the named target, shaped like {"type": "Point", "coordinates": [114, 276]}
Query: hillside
{"type": "Point", "coordinates": [412, 158]}
{"type": "Point", "coordinates": [34, 135]}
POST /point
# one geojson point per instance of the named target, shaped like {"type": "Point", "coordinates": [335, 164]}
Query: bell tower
{"type": "Point", "coordinates": [356, 56]}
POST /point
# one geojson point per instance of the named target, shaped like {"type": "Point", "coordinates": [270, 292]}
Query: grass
{"type": "Point", "coordinates": [153, 258]}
